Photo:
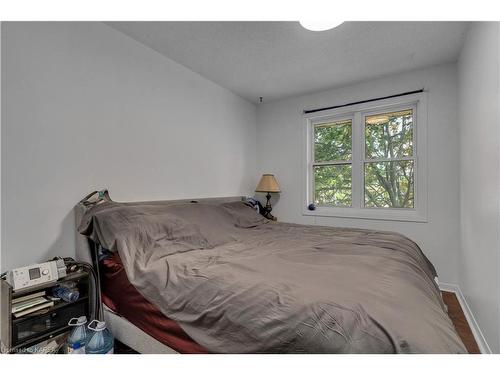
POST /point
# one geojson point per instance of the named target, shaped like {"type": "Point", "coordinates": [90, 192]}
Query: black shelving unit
{"type": "Point", "coordinates": [19, 334]}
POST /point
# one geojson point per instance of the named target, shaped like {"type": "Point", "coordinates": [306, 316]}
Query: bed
{"type": "Point", "coordinates": [230, 281]}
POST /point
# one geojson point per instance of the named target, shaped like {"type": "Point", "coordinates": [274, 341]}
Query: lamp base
{"type": "Point", "coordinates": [269, 208]}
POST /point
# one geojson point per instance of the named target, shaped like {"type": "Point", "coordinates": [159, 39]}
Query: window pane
{"type": "Point", "coordinates": [332, 141]}
{"type": "Point", "coordinates": [332, 185]}
{"type": "Point", "coordinates": [389, 135]}
{"type": "Point", "coordinates": [389, 184]}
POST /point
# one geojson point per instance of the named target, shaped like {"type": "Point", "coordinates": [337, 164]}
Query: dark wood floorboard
{"type": "Point", "coordinates": [121, 348]}
{"type": "Point", "coordinates": [454, 311]}
{"type": "Point", "coordinates": [458, 318]}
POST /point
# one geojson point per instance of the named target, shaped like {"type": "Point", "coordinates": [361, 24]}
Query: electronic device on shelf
{"type": "Point", "coordinates": [36, 275]}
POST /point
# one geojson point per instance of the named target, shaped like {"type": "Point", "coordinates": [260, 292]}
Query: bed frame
{"type": "Point", "coordinates": [122, 329]}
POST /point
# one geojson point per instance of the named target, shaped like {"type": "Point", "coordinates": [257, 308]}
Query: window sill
{"type": "Point", "coordinates": [369, 214]}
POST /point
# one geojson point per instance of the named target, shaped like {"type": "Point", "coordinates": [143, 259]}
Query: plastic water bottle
{"type": "Point", "coordinates": [78, 336]}
{"type": "Point", "coordinates": [66, 294]}
{"type": "Point", "coordinates": [101, 341]}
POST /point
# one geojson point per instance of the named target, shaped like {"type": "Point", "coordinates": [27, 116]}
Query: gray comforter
{"type": "Point", "coordinates": [237, 283]}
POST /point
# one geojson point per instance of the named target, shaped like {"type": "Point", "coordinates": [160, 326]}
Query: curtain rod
{"type": "Point", "coordinates": [306, 111]}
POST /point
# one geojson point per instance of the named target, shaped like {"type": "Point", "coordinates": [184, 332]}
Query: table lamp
{"type": "Point", "coordinates": [268, 184]}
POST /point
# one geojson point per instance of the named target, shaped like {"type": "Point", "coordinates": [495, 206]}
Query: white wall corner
{"type": "Point", "coordinates": [474, 326]}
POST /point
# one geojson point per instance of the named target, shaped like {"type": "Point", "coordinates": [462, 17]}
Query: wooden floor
{"type": "Point", "coordinates": [454, 311]}
{"type": "Point", "coordinates": [121, 348]}
{"type": "Point", "coordinates": [458, 318]}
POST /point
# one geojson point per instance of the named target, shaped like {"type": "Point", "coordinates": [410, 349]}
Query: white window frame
{"type": "Point", "coordinates": [417, 102]}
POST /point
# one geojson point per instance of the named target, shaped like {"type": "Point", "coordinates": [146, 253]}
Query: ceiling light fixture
{"type": "Point", "coordinates": [320, 25]}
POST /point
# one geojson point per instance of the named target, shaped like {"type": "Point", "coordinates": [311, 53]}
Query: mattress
{"type": "Point", "coordinates": [119, 295]}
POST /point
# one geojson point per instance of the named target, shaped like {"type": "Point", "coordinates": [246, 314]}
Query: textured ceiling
{"type": "Point", "coordinates": [281, 59]}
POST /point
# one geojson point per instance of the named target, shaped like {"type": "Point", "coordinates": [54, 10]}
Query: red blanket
{"type": "Point", "coordinates": [121, 296]}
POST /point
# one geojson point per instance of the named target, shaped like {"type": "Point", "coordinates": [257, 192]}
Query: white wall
{"type": "Point", "coordinates": [86, 107]}
{"type": "Point", "coordinates": [280, 137]}
{"type": "Point", "coordinates": [479, 99]}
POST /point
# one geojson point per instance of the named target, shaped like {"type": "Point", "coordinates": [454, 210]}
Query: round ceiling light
{"type": "Point", "coordinates": [320, 25]}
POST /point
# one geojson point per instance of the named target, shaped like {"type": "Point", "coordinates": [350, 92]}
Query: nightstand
{"type": "Point", "coordinates": [27, 333]}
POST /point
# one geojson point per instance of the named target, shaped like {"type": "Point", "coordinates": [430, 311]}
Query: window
{"type": "Point", "coordinates": [388, 164]}
{"type": "Point", "coordinates": [332, 163]}
{"type": "Point", "coordinates": [366, 162]}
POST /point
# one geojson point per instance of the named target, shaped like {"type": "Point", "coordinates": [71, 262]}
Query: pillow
{"type": "Point", "coordinates": [143, 226]}
{"type": "Point", "coordinates": [173, 228]}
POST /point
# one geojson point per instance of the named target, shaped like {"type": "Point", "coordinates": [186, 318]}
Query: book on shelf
{"type": "Point", "coordinates": [27, 297]}
{"type": "Point", "coordinates": [34, 308]}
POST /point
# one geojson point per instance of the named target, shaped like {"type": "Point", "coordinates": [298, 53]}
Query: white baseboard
{"type": "Point", "coordinates": [476, 331]}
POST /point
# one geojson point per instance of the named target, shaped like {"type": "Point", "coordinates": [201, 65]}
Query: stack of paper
{"type": "Point", "coordinates": [30, 303]}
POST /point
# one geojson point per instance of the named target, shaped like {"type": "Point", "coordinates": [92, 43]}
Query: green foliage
{"type": "Point", "coordinates": [333, 141]}
{"type": "Point", "coordinates": [333, 185]}
{"type": "Point", "coordinates": [389, 184]}
{"type": "Point", "coordinates": [389, 135]}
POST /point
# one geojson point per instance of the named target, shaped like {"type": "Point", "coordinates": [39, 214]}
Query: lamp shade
{"type": "Point", "coordinates": [268, 184]}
